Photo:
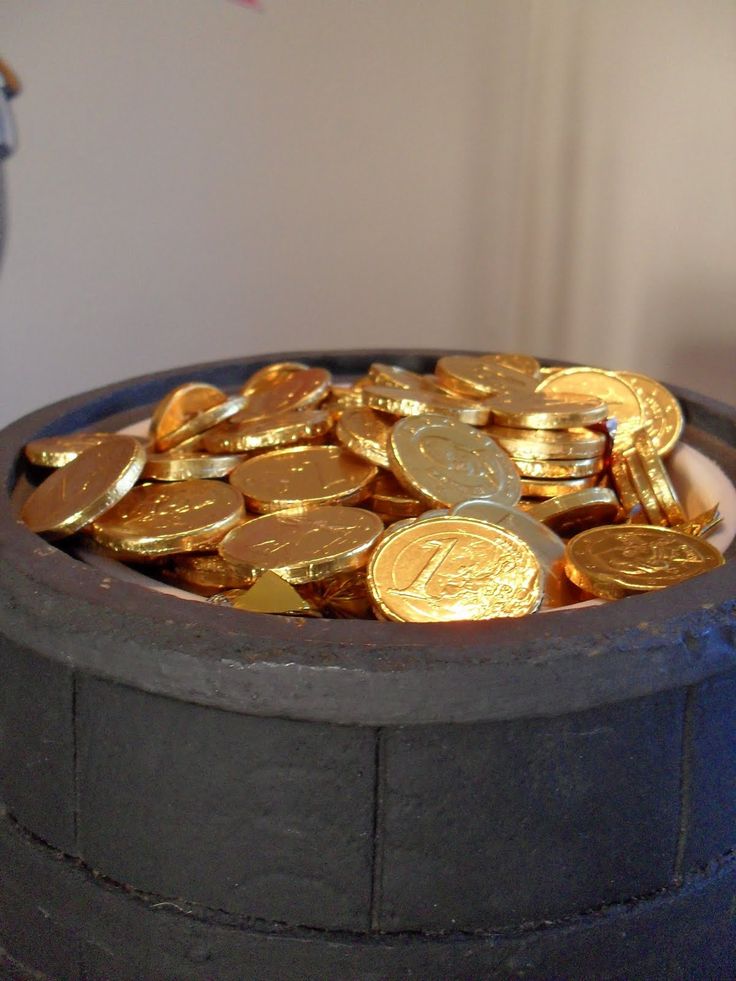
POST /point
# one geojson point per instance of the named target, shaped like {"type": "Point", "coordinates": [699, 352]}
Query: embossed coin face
{"type": "Point", "coordinates": [181, 404]}
{"type": "Point", "coordinates": [541, 410]}
{"type": "Point", "coordinates": [613, 561]}
{"type": "Point", "coordinates": [546, 545]}
{"type": "Point", "coordinates": [303, 546]}
{"type": "Point", "coordinates": [87, 487]}
{"type": "Point", "coordinates": [448, 568]}
{"type": "Point", "coordinates": [57, 451]}
{"type": "Point", "coordinates": [365, 433]}
{"type": "Point", "coordinates": [445, 462]}
{"type": "Point", "coordinates": [478, 377]}
{"type": "Point", "coordinates": [303, 477]}
{"type": "Point", "coordinates": [267, 431]}
{"type": "Point", "coordinates": [297, 390]}
{"type": "Point", "coordinates": [662, 416]}
{"type": "Point", "coordinates": [622, 401]}
{"type": "Point", "coordinates": [161, 519]}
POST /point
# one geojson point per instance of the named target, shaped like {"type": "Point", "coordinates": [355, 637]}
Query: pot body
{"type": "Point", "coordinates": [193, 792]}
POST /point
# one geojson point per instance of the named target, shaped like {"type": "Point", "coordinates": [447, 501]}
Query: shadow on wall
{"type": "Point", "coordinates": [692, 340]}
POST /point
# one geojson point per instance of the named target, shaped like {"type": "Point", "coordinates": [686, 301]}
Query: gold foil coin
{"type": "Point", "coordinates": [620, 397]}
{"type": "Point", "coordinates": [525, 363]}
{"type": "Point", "coordinates": [303, 477]}
{"type": "Point", "coordinates": [266, 377]}
{"type": "Point", "coordinates": [415, 402]}
{"type": "Point", "coordinates": [531, 487]}
{"type": "Point", "coordinates": [576, 512]}
{"type": "Point", "coordinates": [268, 594]}
{"type": "Point", "coordinates": [662, 415]}
{"type": "Point", "coordinates": [200, 423]}
{"type": "Point", "coordinates": [299, 389]}
{"type": "Point", "coordinates": [559, 469]}
{"type": "Point", "coordinates": [57, 451]}
{"type": "Point", "coordinates": [265, 432]}
{"type": "Point", "coordinates": [541, 410]}
{"type": "Point", "coordinates": [395, 377]}
{"type": "Point", "coordinates": [643, 487]}
{"type": "Point", "coordinates": [613, 561]}
{"type": "Point", "coordinates": [444, 461]}
{"type": "Point", "coordinates": [188, 466]}
{"type": "Point", "coordinates": [659, 479]}
{"type": "Point", "coordinates": [365, 433]}
{"type": "Point", "coordinates": [447, 568]}
{"type": "Point", "coordinates": [180, 405]}
{"type": "Point", "coordinates": [91, 484]}
{"type": "Point", "coordinates": [546, 545]}
{"type": "Point", "coordinates": [304, 546]}
{"type": "Point", "coordinates": [204, 574]}
{"type": "Point", "coordinates": [474, 377]}
{"type": "Point", "coordinates": [161, 519]}
{"type": "Point", "coordinates": [390, 499]}
{"type": "Point", "coordinates": [548, 444]}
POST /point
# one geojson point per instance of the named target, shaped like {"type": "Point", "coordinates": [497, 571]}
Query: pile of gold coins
{"type": "Point", "coordinates": [492, 488]}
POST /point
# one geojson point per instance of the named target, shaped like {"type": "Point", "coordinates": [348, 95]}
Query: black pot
{"type": "Point", "coordinates": [194, 792]}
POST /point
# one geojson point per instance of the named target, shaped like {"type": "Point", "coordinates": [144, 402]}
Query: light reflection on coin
{"type": "Point", "coordinates": [542, 410]}
{"type": "Point", "coordinates": [575, 512]}
{"type": "Point", "coordinates": [303, 546]}
{"type": "Point", "coordinates": [474, 377]}
{"type": "Point", "coordinates": [415, 402]}
{"type": "Point", "coordinates": [546, 444]}
{"type": "Point", "coordinates": [365, 433]}
{"type": "Point", "coordinates": [303, 477]}
{"type": "Point", "coordinates": [299, 390]}
{"type": "Point", "coordinates": [445, 461]}
{"type": "Point", "coordinates": [180, 405]}
{"type": "Point", "coordinates": [188, 466]}
{"type": "Point", "coordinates": [91, 484]}
{"type": "Point", "coordinates": [450, 568]}
{"type": "Point", "coordinates": [286, 428]}
{"type": "Point", "coordinates": [662, 415]}
{"type": "Point", "coordinates": [612, 562]}
{"type": "Point", "coordinates": [608, 386]}
{"type": "Point", "coordinates": [162, 519]}
{"type": "Point", "coordinates": [57, 451]}
{"type": "Point", "coordinates": [200, 423]}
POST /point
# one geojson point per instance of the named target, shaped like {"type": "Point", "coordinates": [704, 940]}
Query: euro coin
{"type": "Point", "coordinates": [613, 562]}
{"type": "Point", "coordinates": [303, 546]}
{"type": "Point", "coordinates": [444, 461]}
{"type": "Point", "coordinates": [578, 511]}
{"type": "Point", "coordinates": [81, 491]}
{"type": "Point", "coordinates": [268, 432]}
{"type": "Point", "coordinates": [163, 519]}
{"type": "Point", "coordinates": [620, 397]}
{"type": "Point", "coordinates": [546, 545]}
{"type": "Point", "coordinates": [447, 568]}
{"type": "Point", "coordinates": [662, 416]}
{"type": "Point", "coordinates": [303, 477]}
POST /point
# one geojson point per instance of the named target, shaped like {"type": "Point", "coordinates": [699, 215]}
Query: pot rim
{"type": "Point", "coordinates": [351, 671]}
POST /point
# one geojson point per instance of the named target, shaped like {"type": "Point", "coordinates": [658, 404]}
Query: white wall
{"type": "Point", "coordinates": [198, 180]}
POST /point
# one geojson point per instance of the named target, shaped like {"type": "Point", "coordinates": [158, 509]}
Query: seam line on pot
{"type": "Point", "coordinates": [75, 764]}
{"type": "Point", "coordinates": [377, 835]}
{"type": "Point", "coordinates": [722, 864]}
{"type": "Point", "coordinates": [686, 779]}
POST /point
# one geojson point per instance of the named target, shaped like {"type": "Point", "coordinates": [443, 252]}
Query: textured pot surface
{"type": "Point", "coordinates": [191, 791]}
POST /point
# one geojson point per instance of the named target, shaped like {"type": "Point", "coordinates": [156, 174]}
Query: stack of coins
{"type": "Point", "coordinates": [400, 496]}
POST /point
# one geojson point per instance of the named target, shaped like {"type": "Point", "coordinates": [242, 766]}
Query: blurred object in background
{"type": "Point", "coordinates": [196, 182]}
